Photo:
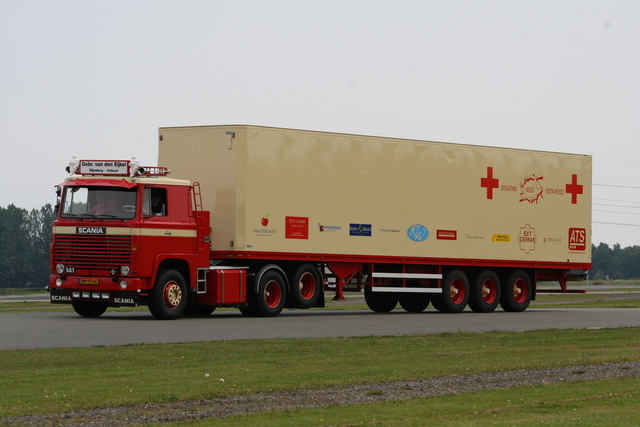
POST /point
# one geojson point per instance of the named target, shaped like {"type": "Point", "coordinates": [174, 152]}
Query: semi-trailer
{"type": "Point", "coordinates": [263, 218]}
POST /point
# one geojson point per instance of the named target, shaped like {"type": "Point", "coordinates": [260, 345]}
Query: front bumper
{"type": "Point", "coordinates": [66, 289]}
{"type": "Point", "coordinates": [112, 298]}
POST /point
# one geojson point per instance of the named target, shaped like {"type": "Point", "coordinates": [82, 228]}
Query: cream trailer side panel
{"type": "Point", "coordinates": [275, 190]}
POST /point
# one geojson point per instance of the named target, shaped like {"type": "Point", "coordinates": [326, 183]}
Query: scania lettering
{"type": "Point", "coordinates": [407, 223]}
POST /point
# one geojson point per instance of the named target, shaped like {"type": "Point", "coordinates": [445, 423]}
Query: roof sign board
{"type": "Point", "coordinates": [102, 167]}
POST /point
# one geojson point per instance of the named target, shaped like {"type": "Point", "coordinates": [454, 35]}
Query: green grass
{"type": "Point", "coordinates": [59, 380]}
{"type": "Point", "coordinates": [597, 403]}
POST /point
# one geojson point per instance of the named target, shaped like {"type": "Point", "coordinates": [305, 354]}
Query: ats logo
{"type": "Point", "coordinates": [577, 239]}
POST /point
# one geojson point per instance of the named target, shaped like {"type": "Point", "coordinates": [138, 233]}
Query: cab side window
{"type": "Point", "coordinates": [154, 202]}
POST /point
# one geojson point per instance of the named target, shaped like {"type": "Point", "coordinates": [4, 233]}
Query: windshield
{"type": "Point", "coordinates": [98, 202]}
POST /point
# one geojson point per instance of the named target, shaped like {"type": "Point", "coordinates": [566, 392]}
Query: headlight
{"type": "Point", "coordinates": [123, 284]}
{"type": "Point", "coordinates": [58, 281]}
{"type": "Point", "coordinates": [124, 270]}
{"type": "Point", "coordinates": [59, 268]}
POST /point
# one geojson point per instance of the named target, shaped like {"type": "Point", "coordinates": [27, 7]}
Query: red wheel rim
{"type": "Point", "coordinates": [172, 295]}
{"type": "Point", "coordinates": [307, 286]}
{"type": "Point", "coordinates": [456, 291]}
{"type": "Point", "coordinates": [489, 291]}
{"type": "Point", "coordinates": [520, 291]}
{"type": "Point", "coordinates": [272, 294]}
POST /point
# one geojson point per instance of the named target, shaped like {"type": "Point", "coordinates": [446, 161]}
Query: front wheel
{"type": "Point", "coordinates": [89, 309]}
{"type": "Point", "coordinates": [168, 298]}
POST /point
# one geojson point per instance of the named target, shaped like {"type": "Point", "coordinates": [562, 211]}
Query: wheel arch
{"type": "Point", "coordinates": [179, 265]}
{"type": "Point", "coordinates": [262, 270]}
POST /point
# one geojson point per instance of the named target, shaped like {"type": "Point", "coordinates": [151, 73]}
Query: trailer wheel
{"type": "Point", "coordinates": [306, 286]}
{"type": "Point", "coordinates": [516, 292]}
{"type": "Point", "coordinates": [271, 296]}
{"type": "Point", "coordinates": [455, 293]}
{"type": "Point", "coordinates": [381, 302]}
{"type": "Point", "coordinates": [168, 298]}
{"type": "Point", "coordinates": [485, 292]}
{"type": "Point", "coordinates": [414, 303]}
{"type": "Point", "coordinates": [89, 308]}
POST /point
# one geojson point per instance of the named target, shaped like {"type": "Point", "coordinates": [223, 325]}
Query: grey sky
{"type": "Point", "coordinates": [97, 78]}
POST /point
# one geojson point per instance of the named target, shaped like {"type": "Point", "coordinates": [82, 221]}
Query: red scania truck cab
{"type": "Point", "coordinates": [126, 235]}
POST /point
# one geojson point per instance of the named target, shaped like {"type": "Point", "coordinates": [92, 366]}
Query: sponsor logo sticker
{"type": "Point", "coordinates": [447, 234]}
{"type": "Point", "coordinates": [296, 227]}
{"type": "Point", "coordinates": [527, 239]}
{"type": "Point", "coordinates": [360, 229]}
{"type": "Point", "coordinates": [328, 228]}
{"type": "Point", "coordinates": [418, 232]}
{"type": "Point", "coordinates": [501, 238]}
{"type": "Point", "coordinates": [577, 239]}
{"type": "Point", "coordinates": [264, 232]}
{"type": "Point", "coordinates": [530, 188]}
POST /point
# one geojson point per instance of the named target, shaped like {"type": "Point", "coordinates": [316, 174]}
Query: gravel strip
{"type": "Point", "coordinates": [362, 393]}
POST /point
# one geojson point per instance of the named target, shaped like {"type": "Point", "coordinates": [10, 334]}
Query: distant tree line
{"type": "Point", "coordinates": [25, 237]}
{"type": "Point", "coordinates": [614, 262]}
{"type": "Point", "coordinates": [24, 246]}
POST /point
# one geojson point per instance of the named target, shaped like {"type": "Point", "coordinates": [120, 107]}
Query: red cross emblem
{"type": "Point", "coordinates": [574, 189]}
{"type": "Point", "coordinates": [489, 182]}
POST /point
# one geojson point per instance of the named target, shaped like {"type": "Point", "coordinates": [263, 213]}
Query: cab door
{"type": "Point", "coordinates": [168, 228]}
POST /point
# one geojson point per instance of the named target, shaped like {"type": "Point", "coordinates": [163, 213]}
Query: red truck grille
{"type": "Point", "coordinates": [92, 252]}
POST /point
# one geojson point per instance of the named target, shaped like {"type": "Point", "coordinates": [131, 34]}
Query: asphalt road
{"type": "Point", "coordinates": [54, 330]}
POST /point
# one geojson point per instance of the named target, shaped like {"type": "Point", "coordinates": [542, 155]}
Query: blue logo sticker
{"type": "Point", "coordinates": [360, 229]}
{"type": "Point", "coordinates": [417, 232]}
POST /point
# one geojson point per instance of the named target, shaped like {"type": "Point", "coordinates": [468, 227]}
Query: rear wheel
{"type": "Point", "coordinates": [485, 292]}
{"type": "Point", "coordinates": [414, 303]}
{"type": "Point", "coordinates": [516, 292]}
{"type": "Point", "coordinates": [455, 293]}
{"type": "Point", "coordinates": [89, 308]}
{"type": "Point", "coordinates": [168, 298]}
{"type": "Point", "coordinates": [381, 302]}
{"type": "Point", "coordinates": [306, 286]}
{"type": "Point", "coordinates": [271, 296]}
{"type": "Point", "coordinates": [246, 310]}
{"type": "Point", "coordinates": [199, 310]}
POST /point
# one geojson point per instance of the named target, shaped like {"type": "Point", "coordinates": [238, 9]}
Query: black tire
{"type": "Point", "coordinates": [89, 308]}
{"type": "Point", "coordinates": [485, 292]}
{"type": "Point", "coordinates": [199, 310]}
{"type": "Point", "coordinates": [414, 303]}
{"type": "Point", "coordinates": [455, 293]}
{"type": "Point", "coordinates": [516, 292]}
{"type": "Point", "coordinates": [381, 302]}
{"type": "Point", "coordinates": [246, 310]}
{"type": "Point", "coordinates": [168, 298]}
{"type": "Point", "coordinates": [271, 296]}
{"type": "Point", "coordinates": [306, 286]}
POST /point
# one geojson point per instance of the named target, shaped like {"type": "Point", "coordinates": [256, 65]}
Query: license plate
{"type": "Point", "coordinates": [85, 281]}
